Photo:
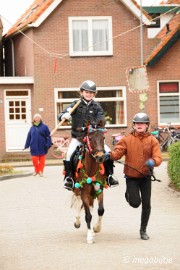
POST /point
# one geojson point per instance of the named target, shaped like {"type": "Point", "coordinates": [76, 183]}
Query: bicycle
{"type": "Point", "coordinates": [116, 137]}
{"type": "Point", "coordinates": [59, 147]}
{"type": "Point", "coordinates": [166, 136]}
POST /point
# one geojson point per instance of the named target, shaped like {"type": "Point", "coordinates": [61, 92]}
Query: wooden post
{"type": "Point", "coordinates": [63, 120]}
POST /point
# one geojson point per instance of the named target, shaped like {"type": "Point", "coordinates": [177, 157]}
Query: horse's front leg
{"type": "Point", "coordinates": [77, 203]}
{"type": "Point", "coordinates": [97, 226]}
{"type": "Point", "coordinates": [88, 217]}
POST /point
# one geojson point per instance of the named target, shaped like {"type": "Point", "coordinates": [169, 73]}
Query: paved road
{"type": "Point", "coordinates": [37, 232]}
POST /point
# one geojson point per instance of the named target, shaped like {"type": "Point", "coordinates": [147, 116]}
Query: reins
{"type": "Point", "coordinates": [150, 171]}
{"type": "Point", "coordinates": [87, 143]}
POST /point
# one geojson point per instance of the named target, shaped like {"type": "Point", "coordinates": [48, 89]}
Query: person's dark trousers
{"type": "Point", "coordinates": [68, 180]}
{"type": "Point", "coordinates": [139, 190]}
{"type": "Point", "coordinates": [109, 170]}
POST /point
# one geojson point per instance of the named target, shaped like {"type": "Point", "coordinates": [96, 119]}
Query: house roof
{"type": "Point", "coordinates": [34, 15]}
{"type": "Point", "coordinates": [133, 6]}
{"type": "Point", "coordinates": [168, 37]}
{"type": "Point", "coordinates": [41, 9]}
{"type": "Point", "coordinates": [162, 9]}
{"type": "Point", "coordinates": [170, 2]}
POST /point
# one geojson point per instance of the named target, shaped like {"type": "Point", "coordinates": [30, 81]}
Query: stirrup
{"type": "Point", "coordinates": [112, 182]}
{"type": "Point", "coordinates": [68, 183]}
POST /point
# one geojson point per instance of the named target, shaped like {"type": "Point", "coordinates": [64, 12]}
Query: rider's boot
{"type": "Point", "coordinates": [144, 221]}
{"type": "Point", "coordinates": [68, 180]}
{"type": "Point", "coordinates": [108, 164]}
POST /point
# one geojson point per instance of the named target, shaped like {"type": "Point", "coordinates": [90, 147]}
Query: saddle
{"type": "Point", "coordinates": [75, 159]}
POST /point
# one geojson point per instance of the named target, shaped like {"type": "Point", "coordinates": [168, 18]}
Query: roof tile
{"type": "Point", "coordinates": [165, 36]}
{"type": "Point", "coordinates": [30, 15]}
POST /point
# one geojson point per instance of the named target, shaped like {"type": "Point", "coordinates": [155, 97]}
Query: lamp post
{"type": "Point", "coordinates": [141, 33]}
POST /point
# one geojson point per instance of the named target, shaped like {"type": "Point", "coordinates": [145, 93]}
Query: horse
{"type": "Point", "coordinates": [90, 179]}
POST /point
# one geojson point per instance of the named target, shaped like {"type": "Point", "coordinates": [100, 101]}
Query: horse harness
{"type": "Point", "coordinates": [98, 180]}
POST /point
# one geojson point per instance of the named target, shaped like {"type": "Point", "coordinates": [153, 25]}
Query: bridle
{"type": "Point", "coordinates": [86, 140]}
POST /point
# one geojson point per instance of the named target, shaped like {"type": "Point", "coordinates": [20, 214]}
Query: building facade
{"type": "Point", "coordinates": [56, 45]}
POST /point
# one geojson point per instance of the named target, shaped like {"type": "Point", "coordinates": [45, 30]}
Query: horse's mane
{"type": "Point", "coordinates": [93, 124]}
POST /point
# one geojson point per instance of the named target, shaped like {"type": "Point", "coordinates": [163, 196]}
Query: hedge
{"type": "Point", "coordinates": [174, 164]}
{"type": "Point", "coordinates": [5, 169]}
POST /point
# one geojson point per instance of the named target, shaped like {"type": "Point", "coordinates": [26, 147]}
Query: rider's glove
{"type": "Point", "coordinates": [150, 163]}
{"type": "Point", "coordinates": [107, 156]}
{"type": "Point", "coordinates": [66, 116]}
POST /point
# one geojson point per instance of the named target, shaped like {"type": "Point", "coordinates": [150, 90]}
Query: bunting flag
{"type": "Point", "coordinates": [55, 64]}
{"type": "Point", "coordinates": [137, 79]}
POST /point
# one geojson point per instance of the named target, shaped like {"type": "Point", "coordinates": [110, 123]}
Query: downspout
{"type": "Point", "coordinates": [141, 33]}
{"type": "Point", "coordinates": [12, 52]}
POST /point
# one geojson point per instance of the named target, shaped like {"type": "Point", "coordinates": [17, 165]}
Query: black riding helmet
{"type": "Point", "coordinates": [141, 118]}
{"type": "Point", "coordinates": [88, 86]}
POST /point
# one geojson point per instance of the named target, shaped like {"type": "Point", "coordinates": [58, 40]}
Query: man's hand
{"type": "Point", "coordinates": [66, 116]}
{"type": "Point", "coordinates": [150, 163]}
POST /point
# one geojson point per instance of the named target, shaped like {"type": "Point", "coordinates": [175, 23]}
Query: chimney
{"type": "Point", "coordinates": [168, 29]}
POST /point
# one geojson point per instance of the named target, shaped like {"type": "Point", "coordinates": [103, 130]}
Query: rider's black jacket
{"type": "Point", "coordinates": [91, 111]}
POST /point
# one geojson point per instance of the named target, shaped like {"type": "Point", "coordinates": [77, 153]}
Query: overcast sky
{"type": "Point", "coordinates": [11, 10]}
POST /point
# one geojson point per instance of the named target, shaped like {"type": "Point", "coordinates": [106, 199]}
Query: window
{"type": "Point", "coordinates": [169, 102]}
{"type": "Point", "coordinates": [112, 100]}
{"type": "Point", "coordinates": [156, 23]}
{"type": "Point", "coordinates": [90, 36]}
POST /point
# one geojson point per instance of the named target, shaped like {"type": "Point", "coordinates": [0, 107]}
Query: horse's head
{"type": "Point", "coordinates": [95, 141]}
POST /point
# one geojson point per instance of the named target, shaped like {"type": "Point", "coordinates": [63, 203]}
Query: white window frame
{"type": "Point", "coordinates": [106, 99]}
{"type": "Point", "coordinates": [166, 94]}
{"type": "Point", "coordinates": [90, 51]}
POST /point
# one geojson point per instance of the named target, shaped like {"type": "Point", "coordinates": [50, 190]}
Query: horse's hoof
{"type": "Point", "coordinates": [91, 241]}
{"type": "Point", "coordinates": [96, 230]}
{"type": "Point", "coordinates": [77, 226]}
{"type": "Point", "coordinates": [90, 237]}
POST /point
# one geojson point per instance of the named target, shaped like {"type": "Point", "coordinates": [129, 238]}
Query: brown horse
{"type": "Point", "coordinates": [90, 179]}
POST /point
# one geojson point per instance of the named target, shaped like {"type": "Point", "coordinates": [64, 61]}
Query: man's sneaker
{"type": "Point", "coordinates": [35, 173]}
{"type": "Point", "coordinates": [112, 182]}
{"type": "Point", "coordinates": [40, 174]}
{"type": "Point", "coordinates": [68, 183]}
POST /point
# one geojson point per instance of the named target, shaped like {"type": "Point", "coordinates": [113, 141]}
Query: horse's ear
{"type": "Point", "coordinates": [88, 122]}
{"type": "Point", "coordinates": [101, 124]}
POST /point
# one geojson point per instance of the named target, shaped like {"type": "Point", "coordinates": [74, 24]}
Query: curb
{"type": "Point", "coordinates": [24, 174]}
{"type": "Point", "coordinates": [29, 163]}
{"type": "Point", "coordinates": [12, 176]}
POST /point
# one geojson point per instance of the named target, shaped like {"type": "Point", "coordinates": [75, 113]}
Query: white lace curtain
{"type": "Point", "coordinates": [90, 37]}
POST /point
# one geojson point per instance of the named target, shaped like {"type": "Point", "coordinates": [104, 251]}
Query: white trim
{"type": "Point", "coordinates": [136, 11]}
{"type": "Point", "coordinates": [109, 99]}
{"type": "Point", "coordinates": [164, 19]}
{"type": "Point", "coordinates": [46, 13]}
{"type": "Point", "coordinates": [16, 80]}
{"type": "Point", "coordinates": [104, 88]}
{"type": "Point", "coordinates": [26, 121]}
{"type": "Point", "coordinates": [51, 8]}
{"type": "Point", "coordinates": [90, 51]}
{"type": "Point", "coordinates": [165, 94]}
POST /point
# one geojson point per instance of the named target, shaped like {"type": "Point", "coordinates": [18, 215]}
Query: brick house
{"type": "Point", "coordinates": [57, 44]}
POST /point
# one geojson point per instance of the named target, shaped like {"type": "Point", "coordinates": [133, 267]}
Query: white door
{"type": "Point", "coordinates": [17, 119]}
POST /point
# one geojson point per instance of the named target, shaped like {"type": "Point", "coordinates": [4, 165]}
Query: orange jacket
{"type": "Point", "coordinates": [137, 149]}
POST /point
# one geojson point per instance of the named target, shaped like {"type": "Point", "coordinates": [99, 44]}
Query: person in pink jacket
{"type": "Point", "coordinates": [142, 153]}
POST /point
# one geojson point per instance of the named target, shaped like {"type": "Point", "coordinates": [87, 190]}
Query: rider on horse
{"type": "Point", "coordinates": [88, 109]}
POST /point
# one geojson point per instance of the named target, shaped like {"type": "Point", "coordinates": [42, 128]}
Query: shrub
{"type": "Point", "coordinates": [5, 169]}
{"type": "Point", "coordinates": [174, 164]}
